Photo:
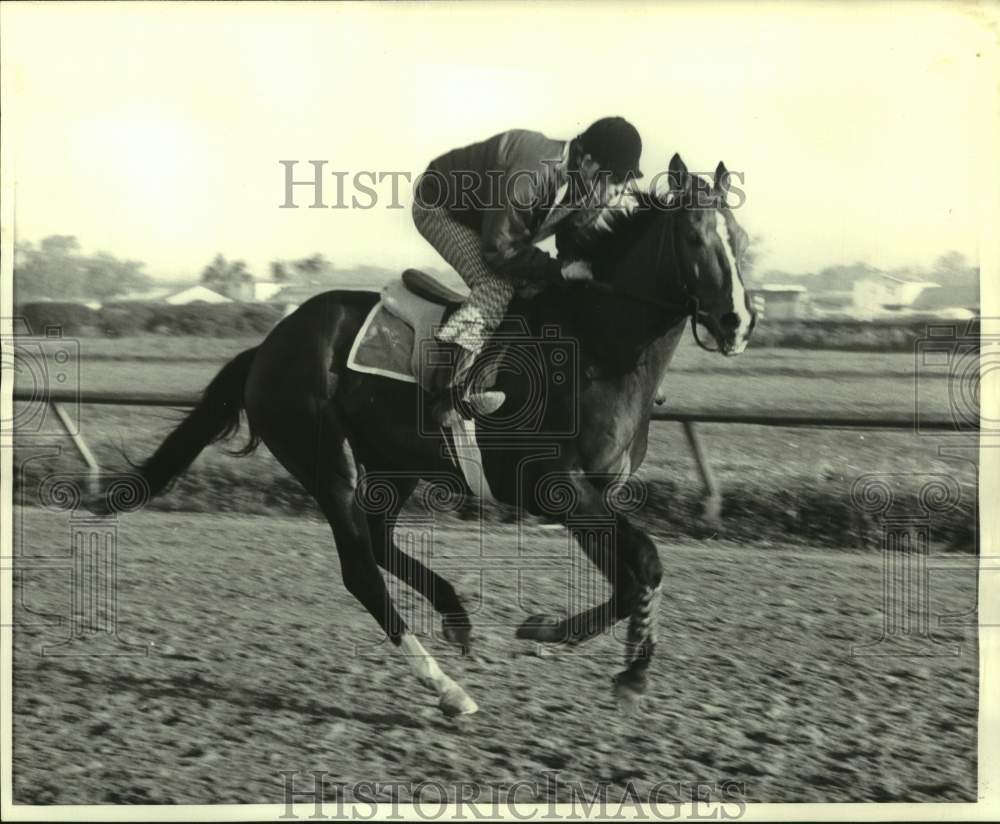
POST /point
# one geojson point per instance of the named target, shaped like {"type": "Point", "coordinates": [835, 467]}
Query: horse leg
{"type": "Point", "coordinates": [455, 624]}
{"type": "Point", "coordinates": [364, 581]}
{"type": "Point", "coordinates": [640, 642]}
{"type": "Point", "coordinates": [313, 446]}
{"type": "Point", "coordinates": [592, 622]}
{"type": "Point", "coordinates": [607, 547]}
{"type": "Point", "coordinates": [632, 565]}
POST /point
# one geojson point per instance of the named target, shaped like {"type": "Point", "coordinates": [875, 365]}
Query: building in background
{"type": "Point", "coordinates": [147, 295]}
{"type": "Point", "coordinates": [955, 302]}
{"type": "Point", "coordinates": [886, 296]}
{"type": "Point", "coordinates": [834, 305]}
{"type": "Point", "coordinates": [194, 294]}
{"type": "Point", "coordinates": [264, 290]}
{"type": "Point", "coordinates": [293, 295]}
{"type": "Point", "coordinates": [784, 301]}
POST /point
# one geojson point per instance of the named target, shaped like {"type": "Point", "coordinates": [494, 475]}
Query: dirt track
{"type": "Point", "coordinates": [252, 670]}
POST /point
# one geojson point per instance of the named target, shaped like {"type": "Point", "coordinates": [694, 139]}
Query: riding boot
{"type": "Point", "coordinates": [478, 393]}
{"type": "Point", "coordinates": [444, 366]}
{"type": "Point", "coordinates": [488, 369]}
{"type": "Point", "coordinates": [452, 398]}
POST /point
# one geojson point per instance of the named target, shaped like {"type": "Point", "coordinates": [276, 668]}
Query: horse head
{"type": "Point", "coordinates": [707, 247]}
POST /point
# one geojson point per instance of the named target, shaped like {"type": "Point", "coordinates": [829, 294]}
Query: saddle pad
{"type": "Point", "coordinates": [397, 339]}
{"type": "Point", "coordinates": [383, 347]}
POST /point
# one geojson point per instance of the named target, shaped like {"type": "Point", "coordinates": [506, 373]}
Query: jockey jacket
{"type": "Point", "coordinates": [510, 189]}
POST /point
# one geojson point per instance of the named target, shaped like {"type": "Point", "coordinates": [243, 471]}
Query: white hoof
{"type": "Point", "coordinates": [457, 702]}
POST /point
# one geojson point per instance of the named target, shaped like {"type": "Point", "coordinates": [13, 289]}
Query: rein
{"type": "Point", "coordinates": [690, 308]}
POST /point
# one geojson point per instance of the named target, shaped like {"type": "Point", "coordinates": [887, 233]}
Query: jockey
{"type": "Point", "coordinates": [485, 206]}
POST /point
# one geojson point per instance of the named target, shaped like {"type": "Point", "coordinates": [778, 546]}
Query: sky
{"type": "Point", "coordinates": [155, 131]}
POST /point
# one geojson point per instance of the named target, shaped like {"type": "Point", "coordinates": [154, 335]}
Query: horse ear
{"type": "Point", "coordinates": [678, 172]}
{"type": "Point", "coordinates": [721, 179]}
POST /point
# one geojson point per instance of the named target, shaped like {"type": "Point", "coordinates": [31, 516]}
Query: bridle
{"type": "Point", "coordinates": [691, 306]}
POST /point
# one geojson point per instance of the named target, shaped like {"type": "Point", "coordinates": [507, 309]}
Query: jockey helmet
{"type": "Point", "coordinates": [615, 144]}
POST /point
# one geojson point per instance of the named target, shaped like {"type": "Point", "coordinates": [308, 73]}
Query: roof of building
{"type": "Point", "coordinates": [302, 292]}
{"type": "Point", "coordinates": [898, 281]}
{"type": "Point", "coordinates": [780, 287]}
{"type": "Point", "coordinates": [157, 293]}
{"type": "Point", "coordinates": [196, 293]}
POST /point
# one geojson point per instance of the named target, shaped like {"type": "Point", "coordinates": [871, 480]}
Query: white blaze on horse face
{"type": "Point", "coordinates": [738, 293]}
{"type": "Point", "coordinates": [452, 699]}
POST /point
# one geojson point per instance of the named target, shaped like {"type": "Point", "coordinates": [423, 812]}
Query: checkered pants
{"type": "Point", "coordinates": [473, 323]}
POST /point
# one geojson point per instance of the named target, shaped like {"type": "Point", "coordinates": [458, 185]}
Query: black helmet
{"type": "Point", "coordinates": [615, 144]}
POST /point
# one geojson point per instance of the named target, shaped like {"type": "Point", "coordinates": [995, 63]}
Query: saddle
{"type": "Point", "coordinates": [397, 338]}
{"type": "Point", "coordinates": [430, 288]}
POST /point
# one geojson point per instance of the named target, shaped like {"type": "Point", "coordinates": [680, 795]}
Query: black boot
{"type": "Point", "coordinates": [452, 398]}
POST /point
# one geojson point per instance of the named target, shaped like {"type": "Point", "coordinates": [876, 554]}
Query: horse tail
{"type": "Point", "coordinates": [217, 416]}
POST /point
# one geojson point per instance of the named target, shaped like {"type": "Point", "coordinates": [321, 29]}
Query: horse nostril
{"type": "Point", "coordinates": [730, 320]}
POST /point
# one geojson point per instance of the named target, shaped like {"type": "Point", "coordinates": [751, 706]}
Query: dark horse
{"type": "Point", "coordinates": [677, 256]}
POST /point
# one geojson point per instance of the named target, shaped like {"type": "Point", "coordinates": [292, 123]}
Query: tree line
{"type": "Point", "coordinates": [57, 269]}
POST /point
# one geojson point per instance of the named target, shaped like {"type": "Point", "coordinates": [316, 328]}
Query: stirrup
{"type": "Point", "coordinates": [484, 402]}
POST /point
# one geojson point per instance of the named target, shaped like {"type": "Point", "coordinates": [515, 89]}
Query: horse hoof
{"type": "Point", "coordinates": [545, 628]}
{"type": "Point", "coordinates": [457, 702]}
{"type": "Point", "coordinates": [96, 504]}
{"type": "Point", "coordinates": [457, 631]}
{"type": "Point", "coordinates": [629, 685]}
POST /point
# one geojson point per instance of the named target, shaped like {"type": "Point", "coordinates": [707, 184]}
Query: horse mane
{"type": "Point", "coordinates": [617, 225]}
{"type": "Point", "coordinates": [604, 241]}
{"type": "Point", "coordinates": [621, 222]}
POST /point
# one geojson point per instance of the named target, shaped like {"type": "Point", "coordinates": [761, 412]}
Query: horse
{"type": "Point", "coordinates": [359, 443]}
